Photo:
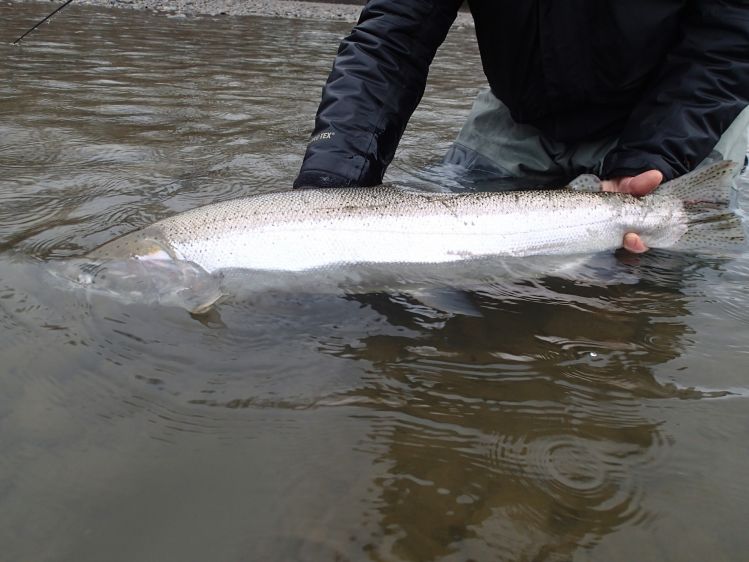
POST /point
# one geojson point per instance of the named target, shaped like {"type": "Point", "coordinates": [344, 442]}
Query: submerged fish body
{"type": "Point", "coordinates": [324, 231]}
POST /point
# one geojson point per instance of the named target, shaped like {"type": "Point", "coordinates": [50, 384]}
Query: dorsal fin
{"type": "Point", "coordinates": [586, 183]}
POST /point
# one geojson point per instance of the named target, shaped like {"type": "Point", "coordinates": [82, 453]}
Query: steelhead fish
{"type": "Point", "coordinates": [329, 231]}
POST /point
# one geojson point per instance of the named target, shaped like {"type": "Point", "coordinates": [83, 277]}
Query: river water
{"type": "Point", "coordinates": [579, 421]}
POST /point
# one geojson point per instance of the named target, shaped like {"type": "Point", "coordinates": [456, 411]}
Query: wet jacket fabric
{"type": "Point", "coordinates": [667, 76]}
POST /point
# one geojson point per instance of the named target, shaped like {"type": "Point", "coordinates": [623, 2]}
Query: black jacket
{"type": "Point", "coordinates": [668, 76]}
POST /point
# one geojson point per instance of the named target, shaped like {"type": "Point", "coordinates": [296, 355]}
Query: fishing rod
{"type": "Point", "coordinates": [41, 22]}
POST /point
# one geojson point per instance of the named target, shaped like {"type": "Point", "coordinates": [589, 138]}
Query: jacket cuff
{"type": "Point", "coordinates": [319, 178]}
{"type": "Point", "coordinates": [619, 164]}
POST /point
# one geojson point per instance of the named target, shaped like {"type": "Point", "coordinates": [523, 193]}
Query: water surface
{"type": "Point", "coordinates": [585, 421]}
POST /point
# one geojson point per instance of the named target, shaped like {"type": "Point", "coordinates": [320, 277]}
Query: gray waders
{"type": "Point", "coordinates": [493, 146]}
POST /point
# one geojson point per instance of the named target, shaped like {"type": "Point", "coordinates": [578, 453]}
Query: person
{"type": "Point", "coordinates": [637, 92]}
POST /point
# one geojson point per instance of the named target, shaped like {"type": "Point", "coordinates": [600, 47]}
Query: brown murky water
{"type": "Point", "coordinates": [569, 421]}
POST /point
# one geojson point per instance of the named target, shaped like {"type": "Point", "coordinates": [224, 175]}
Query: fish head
{"type": "Point", "coordinates": [146, 244]}
{"type": "Point", "coordinates": [139, 268]}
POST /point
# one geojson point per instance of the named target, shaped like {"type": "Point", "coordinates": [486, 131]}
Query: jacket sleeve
{"type": "Point", "coordinates": [702, 87]}
{"type": "Point", "coordinates": [377, 81]}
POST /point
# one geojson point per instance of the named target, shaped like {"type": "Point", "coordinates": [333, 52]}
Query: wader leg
{"type": "Point", "coordinates": [733, 144]}
{"type": "Point", "coordinates": [491, 145]}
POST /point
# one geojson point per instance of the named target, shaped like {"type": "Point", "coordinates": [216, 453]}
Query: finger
{"type": "Point", "coordinates": [618, 185]}
{"type": "Point", "coordinates": [633, 243]}
{"type": "Point", "coordinates": [644, 183]}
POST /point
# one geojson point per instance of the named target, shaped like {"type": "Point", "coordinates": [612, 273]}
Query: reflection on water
{"type": "Point", "coordinates": [601, 417]}
{"type": "Point", "coordinates": [509, 430]}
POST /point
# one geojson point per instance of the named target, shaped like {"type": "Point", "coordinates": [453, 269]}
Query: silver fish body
{"type": "Point", "coordinates": [324, 230]}
{"type": "Point", "coordinates": [311, 229]}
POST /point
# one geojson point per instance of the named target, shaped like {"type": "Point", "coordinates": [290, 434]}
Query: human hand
{"type": "Point", "coordinates": [638, 186]}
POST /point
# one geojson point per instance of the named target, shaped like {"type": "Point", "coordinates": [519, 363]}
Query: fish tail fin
{"type": "Point", "coordinates": [712, 231]}
{"type": "Point", "coordinates": [706, 194]}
